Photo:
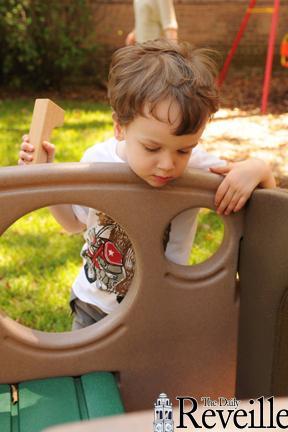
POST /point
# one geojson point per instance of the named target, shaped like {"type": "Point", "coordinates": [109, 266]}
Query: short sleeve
{"type": "Point", "coordinates": [167, 14]}
{"type": "Point", "coordinates": [82, 212]}
{"type": "Point", "coordinates": [101, 152]}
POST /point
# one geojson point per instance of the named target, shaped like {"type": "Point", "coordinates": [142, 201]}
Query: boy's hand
{"type": "Point", "coordinates": [27, 151]}
{"type": "Point", "coordinates": [241, 178]}
{"type": "Point", "coordinates": [130, 38]}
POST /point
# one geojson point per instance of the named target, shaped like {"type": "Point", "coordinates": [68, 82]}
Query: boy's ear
{"type": "Point", "coordinates": [118, 129]}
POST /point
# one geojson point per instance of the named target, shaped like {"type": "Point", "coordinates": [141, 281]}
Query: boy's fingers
{"type": "Point", "coordinates": [25, 137]}
{"type": "Point", "coordinates": [232, 204]}
{"type": "Point", "coordinates": [48, 146]}
{"type": "Point", "coordinates": [27, 147]}
{"type": "Point", "coordinates": [27, 150]}
{"type": "Point", "coordinates": [223, 206]}
{"type": "Point", "coordinates": [221, 191]}
{"type": "Point", "coordinates": [220, 169]}
{"type": "Point", "coordinates": [50, 150]}
{"type": "Point", "coordinates": [240, 204]}
{"type": "Point", "coordinates": [24, 156]}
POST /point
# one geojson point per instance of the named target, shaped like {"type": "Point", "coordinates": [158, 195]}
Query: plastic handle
{"type": "Point", "coordinates": [46, 116]}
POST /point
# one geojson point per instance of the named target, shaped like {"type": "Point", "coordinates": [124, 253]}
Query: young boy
{"type": "Point", "coordinates": [162, 95]}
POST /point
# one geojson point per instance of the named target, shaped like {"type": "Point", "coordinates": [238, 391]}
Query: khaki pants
{"type": "Point", "coordinates": [84, 314]}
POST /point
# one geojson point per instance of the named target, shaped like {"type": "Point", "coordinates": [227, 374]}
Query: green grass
{"type": "Point", "coordinates": [38, 261]}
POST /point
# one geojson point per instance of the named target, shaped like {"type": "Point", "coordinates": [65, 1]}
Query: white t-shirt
{"type": "Point", "coordinates": [108, 257]}
{"type": "Point", "coordinates": [152, 17]}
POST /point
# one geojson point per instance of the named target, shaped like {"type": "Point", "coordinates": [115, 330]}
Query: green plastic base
{"type": "Point", "coordinates": [54, 401]}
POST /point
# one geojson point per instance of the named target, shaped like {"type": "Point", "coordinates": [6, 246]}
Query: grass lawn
{"type": "Point", "coordinates": [38, 261]}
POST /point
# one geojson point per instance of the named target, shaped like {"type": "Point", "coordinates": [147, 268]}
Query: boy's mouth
{"type": "Point", "coordinates": [162, 180]}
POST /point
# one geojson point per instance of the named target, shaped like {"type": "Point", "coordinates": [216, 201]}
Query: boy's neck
{"type": "Point", "coordinates": [121, 150]}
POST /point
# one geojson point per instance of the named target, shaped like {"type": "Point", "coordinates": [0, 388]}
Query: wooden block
{"type": "Point", "coordinates": [46, 116]}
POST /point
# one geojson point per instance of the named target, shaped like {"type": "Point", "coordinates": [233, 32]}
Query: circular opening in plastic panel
{"type": "Point", "coordinates": [44, 270]}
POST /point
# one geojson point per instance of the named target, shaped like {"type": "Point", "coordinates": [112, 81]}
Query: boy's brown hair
{"type": "Point", "coordinates": [148, 73]}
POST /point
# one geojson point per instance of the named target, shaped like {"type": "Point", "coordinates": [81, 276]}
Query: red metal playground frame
{"type": "Point", "coordinates": [270, 51]}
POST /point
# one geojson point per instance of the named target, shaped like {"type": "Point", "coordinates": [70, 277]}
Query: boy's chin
{"type": "Point", "coordinates": [155, 185]}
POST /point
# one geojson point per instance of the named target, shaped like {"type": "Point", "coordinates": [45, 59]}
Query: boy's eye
{"type": "Point", "coordinates": [188, 151]}
{"type": "Point", "coordinates": [151, 149]}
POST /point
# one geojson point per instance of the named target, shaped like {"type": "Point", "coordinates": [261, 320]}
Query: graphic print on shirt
{"type": "Point", "coordinates": [109, 257]}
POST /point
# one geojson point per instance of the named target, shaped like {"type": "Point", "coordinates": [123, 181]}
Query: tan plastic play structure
{"type": "Point", "coordinates": [177, 329]}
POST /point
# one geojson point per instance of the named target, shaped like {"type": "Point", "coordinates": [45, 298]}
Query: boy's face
{"type": "Point", "coordinates": [151, 150]}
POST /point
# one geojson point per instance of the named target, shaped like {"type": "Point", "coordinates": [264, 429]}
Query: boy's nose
{"type": "Point", "coordinates": [166, 162]}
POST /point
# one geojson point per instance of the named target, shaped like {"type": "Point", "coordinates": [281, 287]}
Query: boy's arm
{"type": "Point", "coordinates": [66, 217]}
{"type": "Point", "coordinates": [63, 213]}
{"type": "Point", "coordinates": [241, 178]}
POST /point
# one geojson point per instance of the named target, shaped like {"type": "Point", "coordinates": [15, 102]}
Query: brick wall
{"type": "Point", "coordinates": [211, 23]}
